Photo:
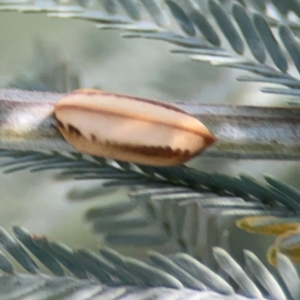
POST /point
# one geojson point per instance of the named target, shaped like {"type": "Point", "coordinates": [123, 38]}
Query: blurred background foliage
{"type": "Point", "coordinates": [40, 53]}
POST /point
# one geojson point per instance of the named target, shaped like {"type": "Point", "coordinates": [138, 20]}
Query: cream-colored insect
{"type": "Point", "coordinates": [130, 129]}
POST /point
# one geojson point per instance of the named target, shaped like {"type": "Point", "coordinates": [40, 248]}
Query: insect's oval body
{"type": "Point", "coordinates": [130, 129]}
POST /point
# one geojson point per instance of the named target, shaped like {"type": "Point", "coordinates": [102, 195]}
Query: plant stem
{"type": "Point", "coordinates": [26, 123]}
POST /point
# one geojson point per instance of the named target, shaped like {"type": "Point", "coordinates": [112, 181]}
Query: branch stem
{"type": "Point", "coordinates": [27, 124]}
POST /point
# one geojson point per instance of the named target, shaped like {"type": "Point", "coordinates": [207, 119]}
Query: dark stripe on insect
{"type": "Point", "coordinates": [73, 129]}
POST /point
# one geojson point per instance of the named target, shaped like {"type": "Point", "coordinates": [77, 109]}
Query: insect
{"type": "Point", "coordinates": [286, 229]}
{"type": "Point", "coordinates": [130, 129]}
{"type": "Point", "coordinates": [269, 225]}
{"type": "Point", "coordinates": [287, 244]}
